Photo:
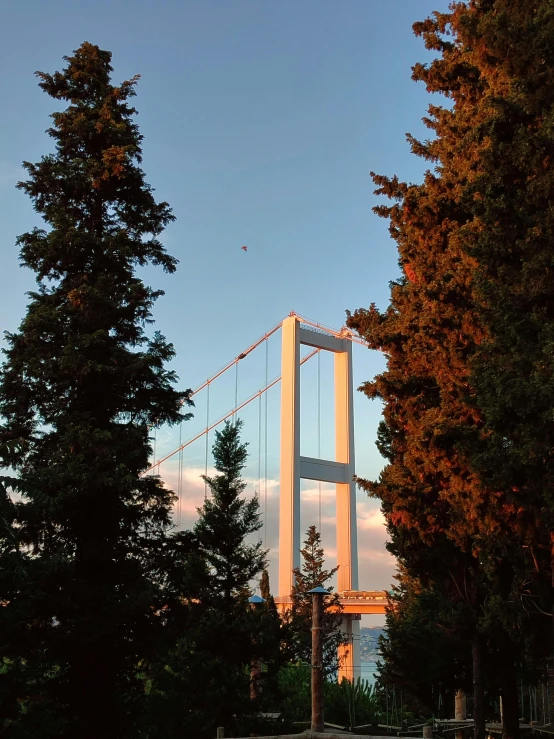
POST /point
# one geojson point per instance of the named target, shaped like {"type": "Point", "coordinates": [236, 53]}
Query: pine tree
{"type": "Point", "coordinates": [226, 520]}
{"type": "Point", "coordinates": [230, 633]}
{"type": "Point", "coordinates": [79, 390]}
{"type": "Point", "coordinates": [312, 574]}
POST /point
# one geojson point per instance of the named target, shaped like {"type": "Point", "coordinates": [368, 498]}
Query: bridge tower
{"type": "Point", "coordinates": [339, 471]}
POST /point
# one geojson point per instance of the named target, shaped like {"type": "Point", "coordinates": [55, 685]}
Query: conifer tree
{"type": "Point", "coordinates": [473, 239]}
{"type": "Point", "coordinates": [80, 388]}
{"type": "Point", "coordinates": [226, 520]}
{"type": "Point", "coordinates": [510, 239]}
{"type": "Point", "coordinates": [423, 648]}
{"type": "Point", "coordinates": [312, 574]}
{"type": "Point", "coordinates": [229, 633]}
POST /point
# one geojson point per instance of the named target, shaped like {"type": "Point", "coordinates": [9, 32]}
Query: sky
{"type": "Point", "coordinates": [262, 121]}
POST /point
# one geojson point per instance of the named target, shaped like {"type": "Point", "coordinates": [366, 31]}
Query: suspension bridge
{"type": "Point", "coordinates": [297, 332]}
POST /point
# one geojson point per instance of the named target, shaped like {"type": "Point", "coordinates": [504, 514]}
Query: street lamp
{"type": "Point", "coordinates": [317, 657]}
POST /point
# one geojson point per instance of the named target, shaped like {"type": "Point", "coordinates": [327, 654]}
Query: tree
{"type": "Point", "coordinates": [229, 633]}
{"type": "Point", "coordinates": [424, 652]}
{"type": "Point", "coordinates": [510, 240]}
{"type": "Point", "coordinates": [226, 520]}
{"type": "Point", "coordinates": [474, 246]}
{"type": "Point", "coordinates": [80, 389]}
{"type": "Point", "coordinates": [311, 575]}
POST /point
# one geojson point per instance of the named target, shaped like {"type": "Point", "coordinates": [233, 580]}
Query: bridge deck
{"type": "Point", "coordinates": [354, 602]}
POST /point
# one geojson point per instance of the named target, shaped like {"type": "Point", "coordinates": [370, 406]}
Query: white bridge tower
{"type": "Point", "coordinates": [339, 471]}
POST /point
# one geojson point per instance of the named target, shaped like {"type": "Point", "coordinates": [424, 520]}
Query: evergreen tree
{"type": "Point", "coordinates": [312, 574]}
{"type": "Point", "coordinates": [510, 196]}
{"type": "Point", "coordinates": [80, 387]}
{"type": "Point", "coordinates": [424, 647]}
{"type": "Point", "coordinates": [226, 520]}
{"type": "Point", "coordinates": [465, 437]}
{"type": "Point", "coordinates": [229, 633]}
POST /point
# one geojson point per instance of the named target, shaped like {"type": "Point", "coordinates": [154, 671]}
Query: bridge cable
{"type": "Point", "coordinates": [154, 449]}
{"type": "Point", "coordinates": [265, 441]}
{"type": "Point", "coordinates": [260, 460]}
{"type": "Point", "coordinates": [228, 415]}
{"type": "Point", "coordinates": [207, 439]}
{"type": "Point", "coordinates": [319, 427]}
{"type": "Point", "coordinates": [180, 476]}
{"type": "Point", "coordinates": [236, 390]}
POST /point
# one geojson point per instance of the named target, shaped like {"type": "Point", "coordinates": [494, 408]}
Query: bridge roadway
{"type": "Point", "coordinates": [353, 602]}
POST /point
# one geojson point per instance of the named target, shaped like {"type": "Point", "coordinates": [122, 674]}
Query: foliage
{"type": "Point", "coordinates": [80, 387]}
{"type": "Point", "coordinates": [203, 681]}
{"type": "Point", "coordinates": [226, 520]}
{"type": "Point", "coordinates": [346, 704]}
{"type": "Point", "coordinates": [312, 574]}
{"type": "Point", "coordinates": [468, 388]}
{"type": "Point", "coordinates": [424, 648]}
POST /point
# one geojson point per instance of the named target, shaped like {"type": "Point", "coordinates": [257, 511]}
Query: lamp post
{"type": "Point", "coordinates": [317, 657]}
{"type": "Point", "coordinates": [255, 665]}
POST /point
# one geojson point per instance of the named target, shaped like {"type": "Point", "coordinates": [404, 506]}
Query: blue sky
{"type": "Point", "coordinates": [262, 121]}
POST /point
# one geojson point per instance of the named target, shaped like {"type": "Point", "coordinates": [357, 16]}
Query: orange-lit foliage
{"type": "Point", "coordinates": [469, 333]}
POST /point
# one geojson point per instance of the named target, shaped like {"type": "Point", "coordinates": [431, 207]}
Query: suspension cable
{"type": "Point", "coordinates": [207, 440]}
{"type": "Point", "coordinates": [236, 390]}
{"type": "Point", "coordinates": [344, 333]}
{"type": "Point", "coordinates": [237, 359]}
{"type": "Point", "coordinates": [260, 460]}
{"type": "Point", "coordinates": [225, 417]}
{"type": "Point", "coordinates": [319, 428]}
{"type": "Point", "coordinates": [180, 478]}
{"type": "Point", "coordinates": [265, 443]}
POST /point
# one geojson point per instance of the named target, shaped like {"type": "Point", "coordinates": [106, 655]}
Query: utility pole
{"type": "Point", "coordinates": [317, 658]}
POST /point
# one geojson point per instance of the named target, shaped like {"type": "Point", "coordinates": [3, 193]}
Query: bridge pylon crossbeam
{"type": "Point", "coordinates": [339, 471]}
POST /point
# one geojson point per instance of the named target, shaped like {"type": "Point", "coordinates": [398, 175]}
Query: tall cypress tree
{"type": "Point", "coordinates": [455, 307]}
{"type": "Point", "coordinates": [510, 239]}
{"type": "Point", "coordinates": [79, 390]}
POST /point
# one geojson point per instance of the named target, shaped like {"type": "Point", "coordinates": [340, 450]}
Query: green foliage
{"type": "Point", "coordinates": [226, 520]}
{"type": "Point", "coordinates": [312, 574]}
{"type": "Point", "coordinates": [424, 649]}
{"type": "Point", "coordinates": [346, 704]}
{"type": "Point", "coordinates": [80, 386]}
{"type": "Point", "coordinates": [468, 390]}
{"type": "Point", "coordinates": [203, 680]}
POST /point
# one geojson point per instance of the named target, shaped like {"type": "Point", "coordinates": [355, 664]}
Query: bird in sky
{"type": "Point", "coordinates": [244, 248]}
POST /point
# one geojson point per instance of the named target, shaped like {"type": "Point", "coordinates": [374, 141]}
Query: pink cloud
{"type": "Point", "coordinates": [376, 565]}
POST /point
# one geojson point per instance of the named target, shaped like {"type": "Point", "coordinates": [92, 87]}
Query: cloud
{"type": "Point", "coordinates": [376, 564]}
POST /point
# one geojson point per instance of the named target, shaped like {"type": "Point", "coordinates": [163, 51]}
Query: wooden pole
{"type": "Point", "coordinates": [317, 663]}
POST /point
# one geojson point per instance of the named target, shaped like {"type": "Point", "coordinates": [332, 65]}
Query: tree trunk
{"type": "Point", "coordinates": [510, 708]}
{"type": "Point", "coordinates": [552, 589]}
{"type": "Point", "coordinates": [478, 687]}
